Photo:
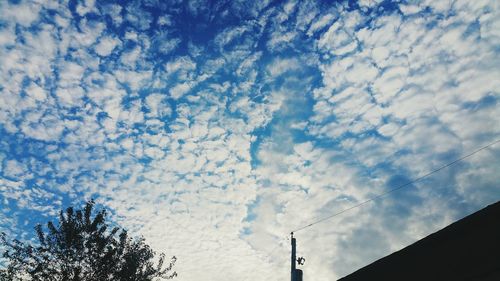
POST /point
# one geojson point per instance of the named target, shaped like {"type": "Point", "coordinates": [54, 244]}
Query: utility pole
{"type": "Point", "coordinates": [296, 274]}
{"type": "Point", "coordinates": [292, 271]}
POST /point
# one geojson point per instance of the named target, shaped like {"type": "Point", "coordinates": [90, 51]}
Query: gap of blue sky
{"type": "Point", "coordinates": [213, 128]}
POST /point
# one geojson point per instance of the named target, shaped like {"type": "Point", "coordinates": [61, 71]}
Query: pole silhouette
{"type": "Point", "coordinates": [293, 258]}
{"type": "Point", "coordinates": [295, 274]}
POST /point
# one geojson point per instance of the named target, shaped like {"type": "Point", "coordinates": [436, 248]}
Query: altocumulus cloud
{"type": "Point", "coordinates": [213, 129]}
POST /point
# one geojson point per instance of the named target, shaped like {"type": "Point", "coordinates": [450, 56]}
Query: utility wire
{"type": "Point", "coordinates": [396, 188]}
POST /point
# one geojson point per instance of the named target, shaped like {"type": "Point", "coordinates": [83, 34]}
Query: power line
{"type": "Point", "coordinates": [397, 188]}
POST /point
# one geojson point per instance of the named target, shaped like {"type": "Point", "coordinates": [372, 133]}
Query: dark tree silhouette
{"type": "Point", "coordinates": [82, 248]}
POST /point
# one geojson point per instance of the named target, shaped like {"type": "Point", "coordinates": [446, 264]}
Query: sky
{"type": "Point", "coordinates": [214, 128]}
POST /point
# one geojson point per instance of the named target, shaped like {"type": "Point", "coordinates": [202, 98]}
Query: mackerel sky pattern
{"type": "Point", "coordinates": [214, 128]}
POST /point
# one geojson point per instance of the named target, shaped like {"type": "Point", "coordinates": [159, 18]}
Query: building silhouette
{"type": "Point", "coordinates": [467, 250]}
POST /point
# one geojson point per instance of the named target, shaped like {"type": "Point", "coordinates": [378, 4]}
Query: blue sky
{"type": "Point", "coordinates": [214, 128]}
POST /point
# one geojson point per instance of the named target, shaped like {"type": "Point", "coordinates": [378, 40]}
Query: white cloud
{"type": "Point", "coordinates": [180, 90]}
{"type": "Point", "coordinates": [46, 129]}
{"type": "Point", "coordinates": [36, 92]}
{"type": "Point", "coordinates": [157, 106]}
{"type": "Point", "coordinates": [134, 79]}
{"type": "Point", "coordinates": [106, 46]}
{"type": "Point", "coordinates": [337, 40]}
{"type": "Point", "coordinates": [181, 65]}
{"type": "Point", "coordinates": [228, 35]}
{"type": "Point", "coordinates": [320, 23]}
{"type": "Point", "coordinates": [71, 73]}
{"type": "Point", "coordinates": [131, 57]}
{"type": "Point", "coordinates": [114, 11]}
{"type": "Point", "coordinates": [138, 17]}
{"type": "Point", "coordinates": [24, 14]}
{"type": "Point", "coordinates": [280, 66]}
{"type": "Point", "coordinates": [369, 3]}
{"type": "Point", "coordinates": [165, 20]}
{"type": "Point", "coordinates": [13, 169]}
{"type": "Point", "coordinates": [90, 32]}
{"type": "Point", "coordinates": [7, 37]}
{"type": "Point", "coordinates": [70, 96]}
{"type": "Point", "coordinates": [280, 40]}
{"type": "Point", "coordinates": [85, 7]}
